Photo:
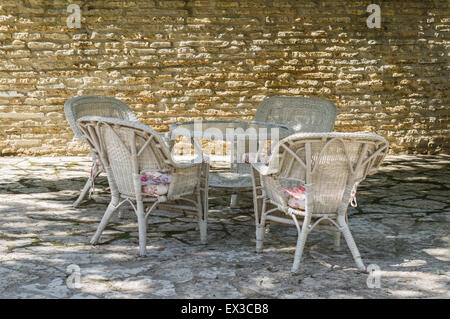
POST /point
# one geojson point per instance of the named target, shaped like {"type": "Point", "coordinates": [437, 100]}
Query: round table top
{"type": "Point", "coordinates": [230, 130]}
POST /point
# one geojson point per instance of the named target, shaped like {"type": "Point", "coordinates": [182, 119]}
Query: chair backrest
{"type": "Point", "coordinates": [126, 149]}
{"type": "Point", "coordinates": [94, 105]}
{"type": "Point", "coordinates": [330, 162]}
{"type": "Point", "coordinates": [303, 114]}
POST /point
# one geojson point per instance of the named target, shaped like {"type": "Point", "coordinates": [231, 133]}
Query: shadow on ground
{"type": "Point", "coordinates": [401, 226]}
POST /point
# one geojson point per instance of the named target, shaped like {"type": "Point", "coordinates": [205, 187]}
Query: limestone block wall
{"type": "Point", "coordinates": [176, 60]}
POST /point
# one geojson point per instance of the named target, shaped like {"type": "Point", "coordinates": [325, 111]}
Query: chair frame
{"type": "Point", "coordinates": [188, 191]}
{"type": "Point", "coordinates": [267, 190]}
{"type": "Point", "coordinates": [71, 109]}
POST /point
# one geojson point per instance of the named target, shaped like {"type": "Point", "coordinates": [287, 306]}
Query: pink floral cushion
{"type": "Point", "coordinates": [155, 190]}
{"type": "Point", "coordinates": [155, 183]}
{"type": "Point", "coordinates": [296, 197]}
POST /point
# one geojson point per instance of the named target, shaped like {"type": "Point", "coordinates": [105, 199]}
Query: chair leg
{"type": "Point", "coordinates": [83, 193]}
{"type": "Point", "coordinates": [259, 237]}
{"type": "Point", "coordinates": [351, 242]}
{"type": "Point", "coordinates": [105, 219]}
{"type": "Point", "coordinates": [203, 225]}
{"type": "Point", "coordinates": [142, 226]}
{"type": "Point", "coordinates": [202, 206]}
{"type": "Point", "coordinates": [337, 240]}
{"type": "Point", "coordinates": [259, 206]}
{"type": "Point", "coordinates": [301, 240]}
{"type": "Point", "coordinates": [95, 171]}
{"type": "Point", "coordinates": [260, 228]}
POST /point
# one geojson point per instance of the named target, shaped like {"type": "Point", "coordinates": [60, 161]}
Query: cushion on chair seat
{"type": "Point", "coordinates": [155, 183]}
{"type": "Point", "coordinates": [296, 197]}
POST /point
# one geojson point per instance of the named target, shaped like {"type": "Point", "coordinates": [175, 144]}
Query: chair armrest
{"type": "Point", "coordinates": [263, 169]}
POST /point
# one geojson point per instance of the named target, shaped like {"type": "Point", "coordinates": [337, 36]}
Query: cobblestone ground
{"type": "Point", "coordinates": [402, 224]}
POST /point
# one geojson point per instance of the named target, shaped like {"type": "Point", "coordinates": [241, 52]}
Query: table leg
{"type": "Point", "coordinates": [234, 199]}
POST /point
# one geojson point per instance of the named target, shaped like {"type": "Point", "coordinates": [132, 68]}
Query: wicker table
{"type": "Point", "coordinates": [240, 135]}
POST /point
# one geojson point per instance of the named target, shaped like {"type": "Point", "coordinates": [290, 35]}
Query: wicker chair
{"type": "Point", "coordinates": [303, 114]}
{"type": "Point", "coordinates": [313, 176]}
{"type": "Point", "coordinates": [80, 106]}
{"type": "Point", "coordinates": [141, 171]}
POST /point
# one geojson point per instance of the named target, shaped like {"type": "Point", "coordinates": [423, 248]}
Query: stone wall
{"type": "Point", "coordinates": [183, 60]}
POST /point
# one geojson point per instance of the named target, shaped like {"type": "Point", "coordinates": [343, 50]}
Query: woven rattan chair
{"type": "Point", "coordinates": [141, 171]}
{"type": "Point", "coordinates": [313, 177]}
{"type": "Point", "coordinates": [80, 106]}
{"type": "Point", "coordinates": [303, 114]}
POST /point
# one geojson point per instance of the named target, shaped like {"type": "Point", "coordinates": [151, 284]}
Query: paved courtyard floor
{"type": "Point", "coordinates": [401, 225]}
